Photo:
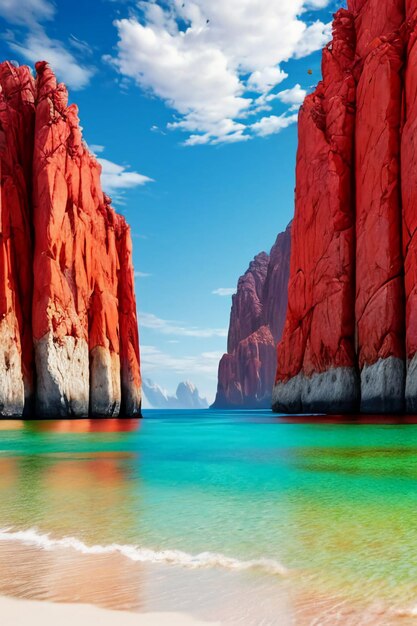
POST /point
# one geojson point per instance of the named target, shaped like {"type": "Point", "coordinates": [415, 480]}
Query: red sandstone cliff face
{"type": "Point", "coordinates": [379, 263]}
{"type": "Point", "coordinates": [17, 115]}
{"type": "Point", "coordinates": [351, 313]}
{"type": "Point", "coordinates": [409, 203]}
{"type": "Point", "coordinates": [275, 292]}
{"type": "Point", "coordinates": [318, 342]}
{"type": "Point", "coordinates": [71, 299]}
{"type": "Point", "coordinates": [129, 336]}
{"type": "Point", "coordinates": [246, 372]}
{"type": "Point", "coordinates": [246, 313]}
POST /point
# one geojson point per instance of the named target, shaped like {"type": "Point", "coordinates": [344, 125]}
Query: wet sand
{"type": "Point", "coordinates": [19, 612]}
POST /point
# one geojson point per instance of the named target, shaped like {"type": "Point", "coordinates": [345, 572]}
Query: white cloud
{"type": "Point", "coordinates": [314, 38]}
{"type": "Point", "coordinates": [153, 359]}
{"type": "Point", "coordinates": [142, 275]}
{"type": "Point", "coordinates": [96, 149]}
{"type": "Point", "coordinates": [117, 178]}
{"type": "Point", "coordinates": [205, 59]}
{"type": "Point", "coordinates": [266, 79]}
{"type": "Point", "coordinates": [156, 129]}
{"type": "Point", "coordinates": [28, 11]}
{"type": "Point", "coordinates": [273, 124]}
{"type": "Point", "coordinates": [36, 45]}
{"type": "Point", "coordinates": [168, 327]}
{"type": "Point", "coordinates": [81, 46]}
{"type": "Point", "coordinates": [295, 95]}
{"type": "Point", "coordinates": [224, 291]}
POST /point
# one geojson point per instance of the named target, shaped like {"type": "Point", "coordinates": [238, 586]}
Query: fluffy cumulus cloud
{"type": "Point", "coordinates": [313, 39]}
{"type": "Point", "coordinates": [215, 62]}
{"type": "Point", "coordinates": [293, 96]}
{"type": "Point", "coordinates": [32, 42]}
{"type": "Point", "coordinates": [273, 124]}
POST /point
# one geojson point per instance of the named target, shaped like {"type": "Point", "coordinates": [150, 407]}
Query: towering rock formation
{"type": "Point", "coordinates": [355, 223]}
{"type": "Point", "coordinates": [379, 263]}
{"type": "Point", "coordinates": [409, 203]}
{"type": "Point", "coordinates": [316, 368]}
{"type": "Point", "coordinates": [129, 336]}
{"type": "Point", "coordinates": [246, 372]}
{"type": "Point", "coordinates": [66, 267]}
{"type": "Point", "coordinates": [246, 313]}
{"type": "Point", "coordinates": [17, 115]}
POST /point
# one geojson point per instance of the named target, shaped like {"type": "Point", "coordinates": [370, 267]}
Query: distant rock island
{"type": "Point", "coordinates": [350, 338]}
{"type": "Point", "coordinates": [69, 337]}
{"type": "Point", "coordinates": [247, 371]}
{"type": "Point", "coordinates": [187, 396]}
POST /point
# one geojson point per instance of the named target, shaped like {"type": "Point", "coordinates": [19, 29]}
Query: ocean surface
{"type": "Point", "coordinates": [242, 517]}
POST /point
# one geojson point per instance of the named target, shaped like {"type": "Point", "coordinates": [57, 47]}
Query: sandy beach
{"type": "Point", "coordinates": [22, 612]}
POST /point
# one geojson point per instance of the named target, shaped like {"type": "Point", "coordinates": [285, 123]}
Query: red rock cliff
{"type": "Point", "coordinates": [317, 356]}
{"type": "Point", "coordinates": [17, 118]}
{"type": "Point", "coordinates": [379, 260]}
{"type": "Point", "coordinates": [350, 337]}
{"type": "Point", "coordinates": [246, 372]}
{"type": "Point", "coordinates": [409, 203]}
{"type": "Point", "coordinates": [68, 304]}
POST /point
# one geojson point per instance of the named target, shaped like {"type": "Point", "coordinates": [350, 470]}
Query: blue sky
{"type": "Point", "coordinates": [191, 105]}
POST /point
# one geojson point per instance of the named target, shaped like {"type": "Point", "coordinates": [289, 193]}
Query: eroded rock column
{"type": "Point", "coordinates": [129, 337]}
{"type": "Point", "coordinates": [409, 202]}
{"type": "Point", "coordinates": [59, 306]}
{"type": "Point", "coordinates": [379, 260]}
{"type": "Point", "coordinates": [316, 358]}
{"type": "Point", "coordinates": [105, 383]}
{"type": "Point", "coordinates": [17, 115]}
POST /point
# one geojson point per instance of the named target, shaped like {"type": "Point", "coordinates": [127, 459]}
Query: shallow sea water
{"type": "Point", "coordinates": [242, 517]}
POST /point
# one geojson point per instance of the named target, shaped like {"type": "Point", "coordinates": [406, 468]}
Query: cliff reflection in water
{"type": "Point", "coordinates": [62, 489]}
{"type": "Point", "coordinates": [59, 492]}
{"type": "Point", "coordinates": [80, 426]}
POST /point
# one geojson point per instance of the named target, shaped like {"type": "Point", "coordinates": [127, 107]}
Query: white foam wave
{"type": "Point", "coordinates": [204, 560]}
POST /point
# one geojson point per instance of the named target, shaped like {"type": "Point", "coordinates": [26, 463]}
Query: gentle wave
{"type": "Point", "coordinates": [204, 560]}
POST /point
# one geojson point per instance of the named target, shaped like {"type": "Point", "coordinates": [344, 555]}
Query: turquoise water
{"type": "Point", "coordinates": [332, 508]}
